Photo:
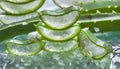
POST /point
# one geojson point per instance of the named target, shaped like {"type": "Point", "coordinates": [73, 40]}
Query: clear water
{"type": "Point", "coordinates": [67, 60]}
{"type": "Point", "coordinates": [114, 39]}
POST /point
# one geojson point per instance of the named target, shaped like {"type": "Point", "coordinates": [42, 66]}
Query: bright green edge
{"type": "Point", "coordinates": [76, 18]}
{"type": "Point", "coordinates": [27, 54]}
{"type": "Point", "coordinates": [73, 48]}
{"type": "Point", "coordinates": [72, 36]}
{"type": "Point", "coordinates": [26, 12]}
{"type": "Point", "coordinates": [25, 1]}
{"type": "Point", "coordinates": [100, 56]}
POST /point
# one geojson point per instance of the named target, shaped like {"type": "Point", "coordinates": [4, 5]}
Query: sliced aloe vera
{"type": "Point", "coordinates": [60, 20]}
{"type": "Point", "coordinates": [67, 3]}
{"type": "Point", "coordinates": [92, 46]}
{"type": "Point", "coordinates": [24, 45]}
{"type": "Point", "coordinates": [58, 35]}
{"type": "Point", "coordinates": [60, 46]}
{"type": "Point", "coordinates": [19, 1]}
{"type": "Point", "coordinates": [13, 8]}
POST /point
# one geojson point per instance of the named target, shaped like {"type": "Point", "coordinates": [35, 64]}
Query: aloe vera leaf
{"type": "Point", "coordinates": [60, 19]}
{"type": "Point", "coordinates": [92, 46]}
{"type": "Point", "coordinates": [60, 46]}
{"type": "Point", "coordinates": [100, 7]}
{"type": "Point", "coordinates": [100, 22]}
{"type": "Point", "coordinates": [10, 19]}
{"type": "Point", "coordinates": [18, 9]}
{"type": "Point", "coordinates": [58, 35]}
{"type": "Point", "coordinates": [19, 1]}
{"type": "Point", "coordinates": [24, 45]}
{"type": "Point", "coordinates": [15, 29]}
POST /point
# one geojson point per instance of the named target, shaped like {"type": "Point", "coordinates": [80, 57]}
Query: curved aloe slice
{"type": "Point", "coordinates": [12, 8]}
{"type": "Point", "coordinates": [24, 45]}
{"type": "Point", "coordinates": [19, 1]}
{"type": "Point", "coordinates": [62, 19]}
{"type": "Point", "coordinates": [60, 46]}
{"type": "Point", "coordinates": [93, 47]}
{"type": "Point", "coordinates": [67, 3]}
{"type": "Point", "coordinates": [58, 35]}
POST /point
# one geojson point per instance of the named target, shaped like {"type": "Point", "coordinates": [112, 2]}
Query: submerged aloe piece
{"type": "Point", "coordinates": [24, 45]}
{"type": "Point", "coordinates": [60, 19]}
{"type": "Point", "coordinates": [13, 8]}
{"type": "Point", "coordinates": [60, 46]}
{"type": "Point", "coordinates": [19, 1]}
{"type": "Point", "coordinates": [92, 46]}
{"type": "Point", "coordinates": [9, 19]}
{"type": "Point", "coordinates": [58, 35]}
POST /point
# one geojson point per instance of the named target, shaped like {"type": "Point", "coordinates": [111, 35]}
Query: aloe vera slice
{"type": "Point", "coordinates": [13, 8]}
{"type": "Point", "coordinates": [19, 1]}
{"type": "Point", "coordinates": [24, 45]}
{"type": "Point", "coordinates": [60, 46]}
{"type": "Point", "coordinates": [92, 46]}
{"type": "Point", "coordinates": [60, 20]}
{"type": "Point", "coordinates": [58, 35]}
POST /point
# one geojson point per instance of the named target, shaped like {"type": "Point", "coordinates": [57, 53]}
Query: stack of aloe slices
{"type": "Point", "coordinates": [58, 29]}
{"type": "Point", "coordinates": [61, 31]}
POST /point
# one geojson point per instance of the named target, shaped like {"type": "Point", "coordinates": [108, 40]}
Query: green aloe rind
{"type": "Point", "coordinates": [19, 1]}
{"type": "Point", "coordinates": [58, 35]}
{"type": "Point", "coordinates": [60, 19]}
{"type": "Point", "coordinates": [101, 22]}
{"type": "Point", "coordinates": [24, 45]}
{"type": "Point", "coordinates": [92, 6]}
{"type": "Point", "coordinates": [100, 7]}
{"type": "Point", "coordinates": [52, 46]}
{"type": "Point", "coordinates": [92, 46]}
{"type": "Point", "coordinates": [18, 9]}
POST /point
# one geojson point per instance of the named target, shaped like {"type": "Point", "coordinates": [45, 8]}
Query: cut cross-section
{"type": "Point", "coordinates": [60, 19]}
{"type": "Point", "coordinates": [13, 8]}
{"type": "Point", "coordinates": [58, 35]}
{"type": "Point", "coordinates": [92, 46]}
{"type": "Point", "coordinates": [60, 46]}
{"type": "Point", "coordinates": [24, 45]}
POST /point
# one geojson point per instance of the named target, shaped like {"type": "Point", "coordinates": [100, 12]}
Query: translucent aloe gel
{"type": "Point", "coordinates": [58, 39]}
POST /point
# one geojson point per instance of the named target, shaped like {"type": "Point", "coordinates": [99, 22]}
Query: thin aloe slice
{"type": "Point", "coordinates": [19, 1]}
{"type": "Point", "coordinates": [24, 45]}
{"type": "Point", "coordinates": [67, 3]}
{"type": "Point", "coordinates": [60, 19]}
{"type": "Point", "coordinates": [92, 46]}
{"type": "Point", "coordinates": [13, 8]}
{"type": "Point", "coordinates": [58, 35]}
{"type": "Point", "coordinates": [60, 46]}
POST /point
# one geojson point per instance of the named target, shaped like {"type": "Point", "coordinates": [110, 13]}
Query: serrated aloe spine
{"type": "Point", "coordinates": [92, 6]}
